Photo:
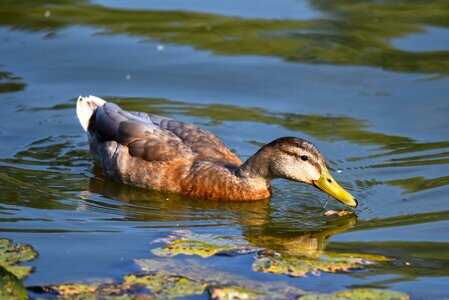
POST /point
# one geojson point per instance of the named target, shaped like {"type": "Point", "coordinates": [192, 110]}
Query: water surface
{"type": "Point", "coordinates": [365, 81]}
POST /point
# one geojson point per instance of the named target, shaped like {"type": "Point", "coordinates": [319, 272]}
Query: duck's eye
{"type": "Point", "coordinates": [304, 157]}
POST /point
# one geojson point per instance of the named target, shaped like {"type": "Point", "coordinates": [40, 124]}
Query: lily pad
{"type": "Point", "coordinates": [10, 286]}
{"type": "Point", "coordinates": [11, 254]}
{"type": "Point", "coordinates": [300, 266]}
{"type": "Point", "coordinates": [205, 245]}
{"type": "Point", "coordinates": [358, 294]}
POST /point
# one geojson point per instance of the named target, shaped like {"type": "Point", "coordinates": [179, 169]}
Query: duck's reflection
{"type": "Point", "coordinates": [310, 242]}
{"type": "Point", "coordinates": [257, 221]}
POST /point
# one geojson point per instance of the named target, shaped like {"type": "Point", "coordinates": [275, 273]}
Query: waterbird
{"type": "Point", "coordinates": [161, 153]}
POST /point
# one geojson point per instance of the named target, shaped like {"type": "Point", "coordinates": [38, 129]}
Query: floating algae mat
{"type": "Point", "coordinates": [358, 294]}
{"type": "Point", "coordinates": [167, 278]}
{"type": "Point", "coordinates": [146, 286]}
{"type": "Point", "coordinates": [165, 284]}
{"type": "Point", "coordinates": [219, 281]}
{"type": "Point", "coordinates": [10, 286]}
{"type": "Point", "coordinates": [171, 278]}
{"type": "Point", "coordinates": [299, 266]}
{"type": "Point", "coordinates": [205, 245]}
{"type": "Point", "coordinates": [161, 279]}
{"type": "Point", "coordinates": [10, 255]}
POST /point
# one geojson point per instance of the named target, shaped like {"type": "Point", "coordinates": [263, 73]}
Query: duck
{"type": "Point", "coordinates": [161, 153]}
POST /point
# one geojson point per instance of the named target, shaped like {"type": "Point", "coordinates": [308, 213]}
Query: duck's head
{"type": "Point", "coordinates": [298, 160]}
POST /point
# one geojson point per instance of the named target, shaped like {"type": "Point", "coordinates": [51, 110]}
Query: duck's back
{"type": "Point", "coordinates": [151, 150]}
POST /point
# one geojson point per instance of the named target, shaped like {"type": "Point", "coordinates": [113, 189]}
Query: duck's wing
{"type": "Point", "coordinates": [144, 138]}
{"type": "Point", "coordinates": [158, 138]}
{"type": "Point", "coordinates": [203, 143]}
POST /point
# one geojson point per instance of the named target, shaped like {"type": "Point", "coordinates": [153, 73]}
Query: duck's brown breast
{"type": "Point", "coordinates": [219, 181]}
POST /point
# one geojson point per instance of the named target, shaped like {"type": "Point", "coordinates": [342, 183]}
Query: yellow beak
{"type": "Point", "coordinates": [327, 184]}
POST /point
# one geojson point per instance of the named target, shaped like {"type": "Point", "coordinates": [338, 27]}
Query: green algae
{"type": "Point", "coordinates": [220, 284]}
{"type": "Point", "coordinates": [312, 261]}
{"type": "Point", "coordinates": [10, 286]}
{"type": "Point", "coordinates": [12, 254]}
{"type": "Point", "coordinates": [204, 245]}
{"type": "Point", "coordinates": [358, 294]}
{"type": "Point", "coordinates": [167, 278]}
{"type": "Point", "coordinates": [142, 286]}
{"type": "Point", "coordinates": [232, 293]}
{"type": "Point", "coordinates": [300, 266]}
{"type": "Point", "coordinates": [167, 285]}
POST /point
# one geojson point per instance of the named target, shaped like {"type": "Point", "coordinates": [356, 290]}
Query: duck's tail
{"type": "Point", "coordinates": [85, 107]}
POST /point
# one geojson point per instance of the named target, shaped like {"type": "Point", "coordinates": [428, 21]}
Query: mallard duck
{"type": "Point", "coordinates": [160, 153]}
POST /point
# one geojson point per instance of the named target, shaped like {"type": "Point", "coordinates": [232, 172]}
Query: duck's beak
{"type": "Point", "coordinates": [327, 184]}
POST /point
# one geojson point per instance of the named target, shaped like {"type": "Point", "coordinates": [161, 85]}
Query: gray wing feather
{"type": "Point", "coordinates": [158, 138]}
{"type": "Point", "coordinates": [142, 136]}
{"type": "Point", "coordinates": [203, 143]}
{"type": "Point", "coordinates": [188, 133]}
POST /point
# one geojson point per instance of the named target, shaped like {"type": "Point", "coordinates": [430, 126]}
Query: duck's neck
{"type": "Point", "coordinates": [257, 167]}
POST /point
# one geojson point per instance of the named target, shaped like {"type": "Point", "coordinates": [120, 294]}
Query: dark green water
{"type": "Point", "coordinates": [366, 81]}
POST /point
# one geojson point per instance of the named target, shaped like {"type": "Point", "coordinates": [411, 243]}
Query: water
{"type": "Point", "coordinates": [355, 79]}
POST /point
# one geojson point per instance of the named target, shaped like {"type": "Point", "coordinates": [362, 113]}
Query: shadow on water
{"type": "Point", "coordinates": [351, 33]}
{"type": "Point", "coordinates": [10, 83]}
{"type": "Point", "coordinates": [45, 175]}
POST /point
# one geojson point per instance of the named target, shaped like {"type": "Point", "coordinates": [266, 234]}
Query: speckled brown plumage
{"type": "Point", "coordinates": [164, 154]}
{"type": "Point", "coordinates": [161, 153]}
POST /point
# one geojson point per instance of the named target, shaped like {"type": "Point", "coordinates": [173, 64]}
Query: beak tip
{"type": "Point", "coordinates": [332, 188]}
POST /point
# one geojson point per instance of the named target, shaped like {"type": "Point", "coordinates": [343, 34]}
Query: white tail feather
{"type": "Point", "coordinates": [85, 107]}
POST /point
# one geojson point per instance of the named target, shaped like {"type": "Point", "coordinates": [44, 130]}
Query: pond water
{"type": "Point", "coordinates": [364, 81]}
